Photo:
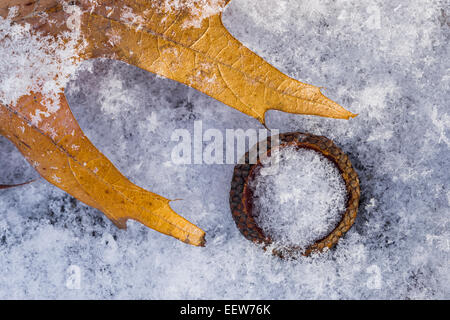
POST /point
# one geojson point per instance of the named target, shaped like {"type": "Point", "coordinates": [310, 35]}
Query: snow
{"type": "Point", "coordinates": [35, 63]}
{"type": "Point", "coordinates": [388, 63]}
{"type": "Point", "coordinates": [198, 9]}
{"type": "Point", "coordinates": [303, 201]}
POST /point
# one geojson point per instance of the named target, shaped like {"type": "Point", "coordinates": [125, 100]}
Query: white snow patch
{"type": "Point", "coordinates": [131, 18]}
{"type": "Point", "coordinates": [33, 62]}
{"type": "Point", "coordinates": [198, 9]}
{"type": "Point", "coordinates": [303, 202]}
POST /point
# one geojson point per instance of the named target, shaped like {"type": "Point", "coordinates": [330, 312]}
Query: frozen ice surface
{"type": "Point", "coordinates": [387, 61]}
{"type": "Point", "coordinates": [300, 202]}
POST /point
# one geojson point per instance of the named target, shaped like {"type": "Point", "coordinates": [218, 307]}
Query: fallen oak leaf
{"type": "Point", "coordinates": [44, 130]}
{"type": "Point", "coordinates": [64, 156]}
{"type": "Point", "coordinates": [207, 58]}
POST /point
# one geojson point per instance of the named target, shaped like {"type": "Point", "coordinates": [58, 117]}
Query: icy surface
{"type": "Point", "coordinates": [302, 201]}
{"type": "Point", "coordinates": [387, 61]}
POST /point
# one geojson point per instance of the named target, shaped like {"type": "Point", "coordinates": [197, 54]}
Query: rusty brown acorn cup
{"type": "Point", "coordinates": [241, 194]}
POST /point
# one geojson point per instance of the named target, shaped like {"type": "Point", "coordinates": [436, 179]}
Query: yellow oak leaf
{"type": "Point", "coordinates": [186, 42]}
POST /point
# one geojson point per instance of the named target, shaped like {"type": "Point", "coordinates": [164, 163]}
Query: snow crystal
{"type": "Point", "coordinates": [131, 18]}
{"type": "Point", "coordinates": [303, 202]}
{"type": "Point", "coordinates": [32, 62]}
{"type": "Point", "coordinates": [198, 9]}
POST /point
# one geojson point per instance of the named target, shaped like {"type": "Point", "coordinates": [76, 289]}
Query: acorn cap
{"type": "Point", "coordinates": [241, 199]}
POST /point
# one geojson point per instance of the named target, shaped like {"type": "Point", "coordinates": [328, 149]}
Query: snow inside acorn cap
{"type": "Point", "coordinates": [302, 200]}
